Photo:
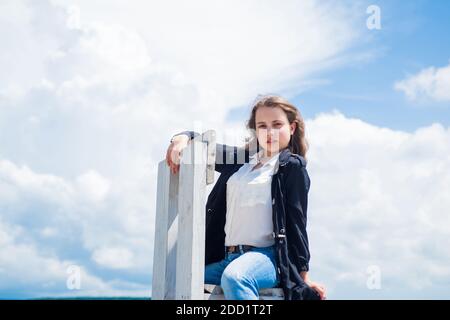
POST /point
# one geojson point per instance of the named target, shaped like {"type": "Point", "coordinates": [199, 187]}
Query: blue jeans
{"type": "Point", "coordinates": [242, 275]}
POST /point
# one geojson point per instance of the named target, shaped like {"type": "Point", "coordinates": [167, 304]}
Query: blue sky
{"type": "Point", "coordinates": [90, 96]}
{"type": "Point", "coordinates": [412, 38]}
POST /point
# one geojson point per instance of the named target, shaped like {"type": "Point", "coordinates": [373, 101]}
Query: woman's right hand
{"type": "Point", "coordinates": [320, 289]}
{"type": "Point", "coordinates": [174, 152]}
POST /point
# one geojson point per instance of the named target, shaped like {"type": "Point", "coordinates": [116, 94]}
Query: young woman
{"type": "Point", "coordinates": [257, 211]}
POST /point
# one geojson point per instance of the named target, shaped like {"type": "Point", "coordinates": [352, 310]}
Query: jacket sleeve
{"type": "Point", "coordinates": [297, 188]}
{"type": "Point", "coordinates": [225, 155]}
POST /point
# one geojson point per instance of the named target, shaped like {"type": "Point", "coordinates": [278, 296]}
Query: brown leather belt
{"type": "Point", "coordinates": [239, 248]}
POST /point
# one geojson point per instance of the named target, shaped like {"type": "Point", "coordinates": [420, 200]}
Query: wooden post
{"type": "Point", "coordinates": [178, 263]}
{"type": "Point", "coordinates": [166, 231]}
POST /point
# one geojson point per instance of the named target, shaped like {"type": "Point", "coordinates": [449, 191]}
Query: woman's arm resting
{"type": "Point", "coordinates": [225, 155]}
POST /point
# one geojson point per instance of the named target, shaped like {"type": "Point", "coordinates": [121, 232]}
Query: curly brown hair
{"type": "Point", "coordinates": [298, 143]}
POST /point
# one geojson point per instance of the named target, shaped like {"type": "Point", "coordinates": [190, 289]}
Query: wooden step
{"type": "Point", "coordinates": [214, 292]}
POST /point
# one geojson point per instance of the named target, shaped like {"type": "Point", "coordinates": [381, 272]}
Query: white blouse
{"type": "Point", "coordinates": [249, 203]}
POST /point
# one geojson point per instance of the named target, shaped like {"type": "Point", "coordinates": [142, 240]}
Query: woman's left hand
{"type": "Point", "coordinates": [320, 289]}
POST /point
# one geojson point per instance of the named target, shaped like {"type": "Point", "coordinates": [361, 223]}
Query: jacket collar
{"type": "Point", "coordinates": [284, 156]}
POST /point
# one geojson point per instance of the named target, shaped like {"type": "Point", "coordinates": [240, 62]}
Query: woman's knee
{"type": "Point", "coordinates": [232, 276]}
{"type": "Point", "coordinates": [238, 286]}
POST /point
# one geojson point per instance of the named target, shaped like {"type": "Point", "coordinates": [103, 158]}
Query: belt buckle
{"type": "Point", "coordinates": [237, 248]}
{"type": "Point", "coordinates": [230, 249]}
{"type": "Point", "coordinates": [234, 249]}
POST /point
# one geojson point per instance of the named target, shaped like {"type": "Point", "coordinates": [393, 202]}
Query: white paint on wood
{"type": "Point", "coordinates": [166, 234]}
{"type": "Point", "coordinates": [210, 138]}
{"type": "Point", "coordinates": [172, 236]}
{"type": "Point", "coordinates": [161, 228]}
{"type": "Point", "coordinates": [191, 219]}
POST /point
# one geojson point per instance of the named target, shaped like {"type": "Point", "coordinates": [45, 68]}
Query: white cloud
{"type": "Point", "coordinates": [99, 88]}
{"type": "Point", "coordinates": [431, 83]}
{"type": "Point", "coordinates": [47, 187]}
{"type": "Point", "coordinates": [117, 258]}
{"type": "Point", "coordinates": [379, 197]}
{"type": "Point", "coordinates": [27, 271]}
{"type": "Point", "coordinates": [221, 52]}
{"type": "Point", "coordinates": [48, 222]}
{"type": "Point", "coordinates": [93, 186]}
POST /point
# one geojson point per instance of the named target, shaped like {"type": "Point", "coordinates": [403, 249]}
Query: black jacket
{"type": "Point", "coordinates": [290, 186]}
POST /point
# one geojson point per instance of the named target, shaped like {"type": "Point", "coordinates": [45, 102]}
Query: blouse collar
{"type": "Point", "coordinates": [255, 158]}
